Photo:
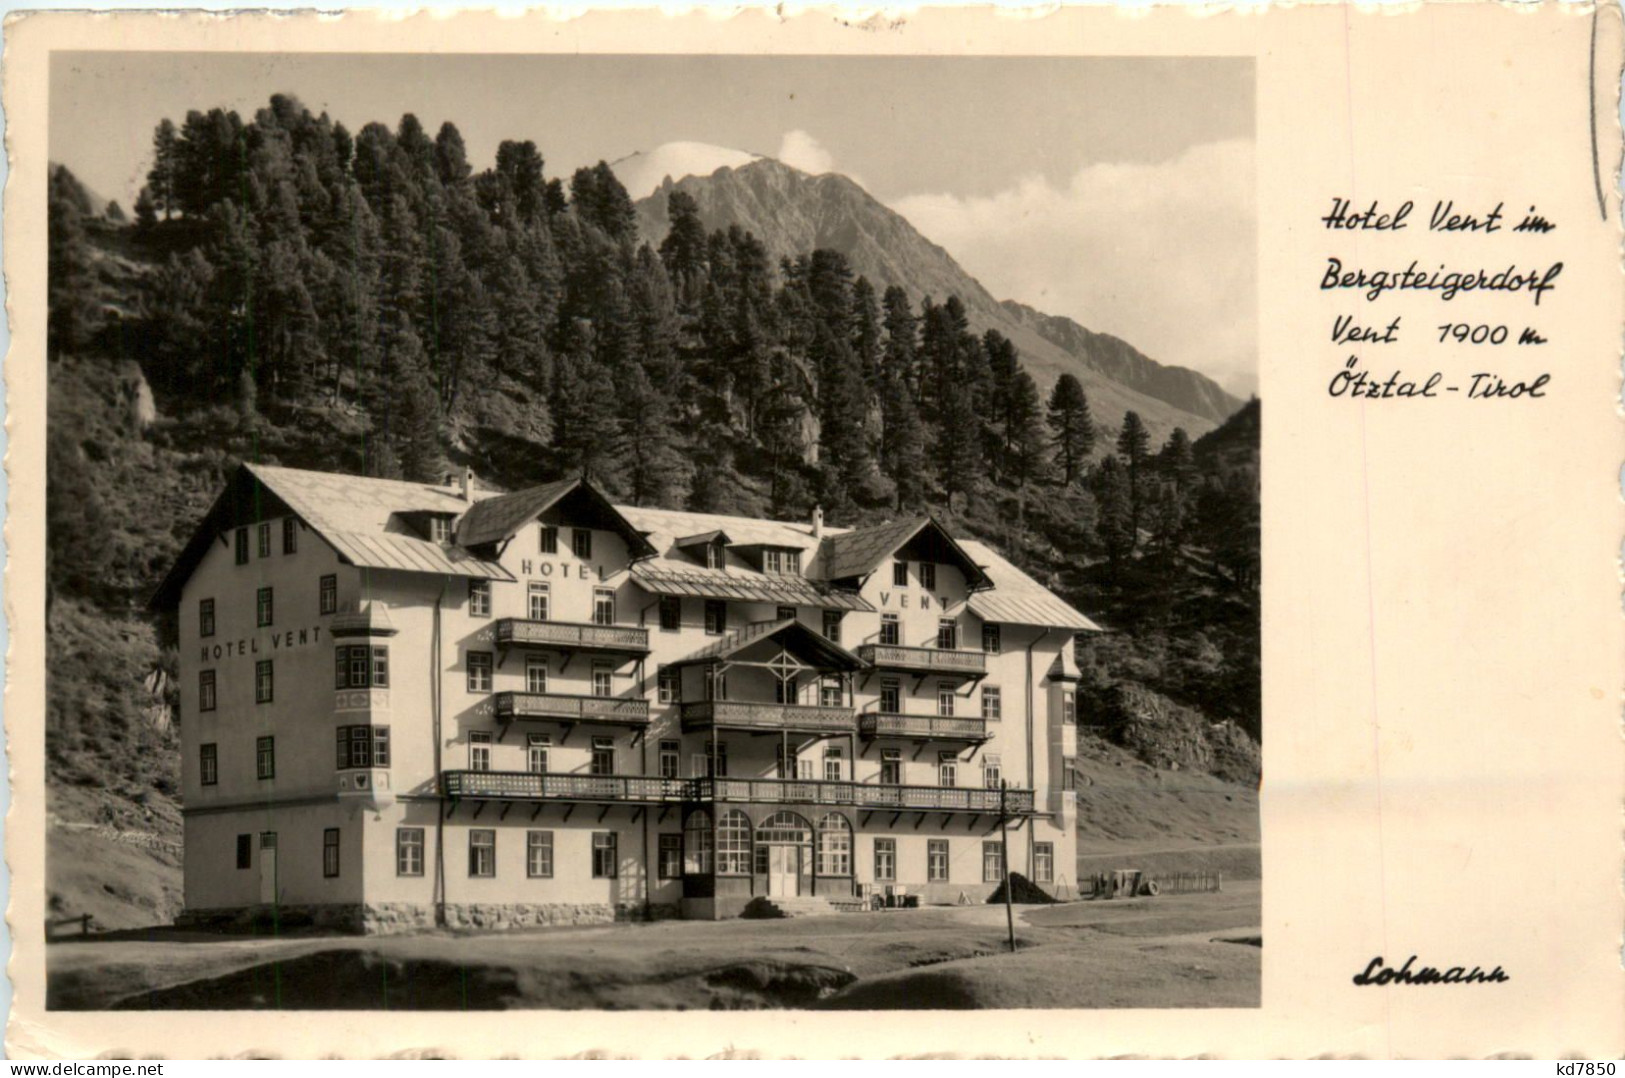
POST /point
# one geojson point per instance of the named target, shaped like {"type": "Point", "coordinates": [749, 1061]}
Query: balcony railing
{"type": "Point", "coordinates": [862, 795]}
{"type": "Point", "coordinates": [550, 786]}
{"type": "Point", "coordinates": [558, 706]}
{"type": "Point", "coordinates": [748, 715]}
{"type": "Point", "coordinates": [524, 632]}
{"type": "Point", "coordinates": [875, 724]}
{"type": "Point", "coordinates": [924, 660]}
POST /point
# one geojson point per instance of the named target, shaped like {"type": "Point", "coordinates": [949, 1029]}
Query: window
{"type": "Point", "coordinates": [671, 613]}
{"type": "Point", "coordinates": [603, 679]}
{"type": "Point", "coordinates": [990, 771]}
{"type": "Point", "coordinates": [205, 690]}
{"type": "Point", "coordinates": [830, 692]}
{"type": "Point", "coordinates": [409, 851]}
{"type": "Point", "coordinates": [899, 574]}
{"type": "Point", "coordinates": [330, 852]}
{"type": "Point", "coordinates": [947, 634]}
{"type": "Point", "coordinates": [890, 634]}
{"type": "Point", "coordinates": [891, 766]}
{"type": "Point", "coordinates": [936, 860]}
{"type": "Point", "coordinates": [262, 607]}
{"type": "Point", "coordinates": [669, 685]}
{"type": "Point", "coordinates": [1069, 776]}
{"type": "Point", "coordinates": [671, 857]}
{"type": "Point", "coordinates": [265, 539]}
{"type": "Point", "coordinates": [536, 750]}
{"type": "Point", "coordinates": [832, 626]}
{"type": "Point", "coordinates": [928, 576]}
{"type": "Point", "coordinates": [715, 557]}
{"type": "Point", "coordinates": [240, 541]}
{"type": "Point", "coordinates": [290, 535]}
{"type": "Point", "coordinates": [733, 844]}
{"type": "Point", "coordinates": [363, 746]}
{"type": "Point", "coordinates": [536, 675]}
{"type": "Point", "coordinates": [1069, 706]}
{"type": "Point", "coordinates": [786, 761]}
{"type": "Point", "coordinates": [603, 756]}
{"type": "Point", "coordinates": [604, 859]}
{"type": "Point", "coordinates": [479, 671]}
{"type": "Point", "coordinates": [245, 851]}
{"type": "Point", "coordinates": [361, 666]}
{"type": "Point", "coordinates": [329, 594]}
{"type": "Point", "coordinates": [439, 529]}
{"type": "Point", "coordinates": [716, 617]}
{"type": "Point", "coordinates": [263, 682]}
{"type": "Point", "coordinates": [603, 606]}
{"type": "Point", "coordinates": [265, 757]}
{"type": "Point", "coordinates": [834, 846]}
{"type": "Point", "coordinates": [885, 859]}
{"type": "Point", "coordinates": [785, 690]}
{"type": "Point", "coordinates": [205, 617]}
{"type": "Point", "coordinates": [539, 854]}
{"type": "Point", "coordinates": [945, 699]}
{"type": "Point", "coordinates": [779, 561]}
{"type": "Point", "coordinates": [581, 542]}
{"type": "Point", "coordinates": [537, 601]}
{"type": "Point", "coordinates": [891, 697]}
{"type": "Point", "coordinates": [479, 750]}
{"type": "Point", "coordinates": [670, 752]}
{"type": "Point", "coordinates": [1043, 862]}
{"type": "Point", "coordinates": [208, 764]}
{"type": "Point", "coordinates": [479, 598]}
{"type": "Point", "coordinates": [947, 769]}
{"type": "Point", "coordinates": [992, 862]}
{"type": "Point", "coordinates": [991, 637]}
{"type": "Point", "coordinates": [482, 852]}
{"type": "Point", "coordinates": [834, 764]}
{"type": "Point", "coordinates": [711, 765]}
{"type": "Point", "coordinates": [992, 703]}
{"type": "Point", "coordinates": [697, 841]}
{"type": "Point", "coordinates": [550, 540]}
{"type": "Point", "coordinates": [785, 613]}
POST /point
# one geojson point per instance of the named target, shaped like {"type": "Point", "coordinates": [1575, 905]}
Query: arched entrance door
{"type": "Point", "coordinates": [787, 839]}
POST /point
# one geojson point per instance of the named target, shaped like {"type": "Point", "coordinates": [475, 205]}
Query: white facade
{"type": "Point", "coordinates": [535, 735]}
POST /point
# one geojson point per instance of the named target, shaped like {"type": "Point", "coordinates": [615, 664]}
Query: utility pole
{"type": "Point", "coordinates": [1004, 850]}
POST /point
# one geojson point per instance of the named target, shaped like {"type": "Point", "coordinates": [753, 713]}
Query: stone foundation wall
{"type": "Point", "coordinates": [388, 918]}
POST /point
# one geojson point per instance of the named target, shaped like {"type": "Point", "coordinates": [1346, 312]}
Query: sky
{"type": "Point", "coordinates": [1118, 192]}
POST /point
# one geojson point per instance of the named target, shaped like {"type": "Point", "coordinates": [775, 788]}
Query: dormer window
{"type": "Point", "coordinates": [714, 556]}
{"type": "Point", "coordinates": [781, 561]}
{"type": "Point", "coordinates": [440, 529]}
{"type": "Point", "coordinates": [710, 549]}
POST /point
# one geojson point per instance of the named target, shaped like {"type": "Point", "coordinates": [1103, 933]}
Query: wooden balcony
{"type": "Point", "coordinates": [571, 636]}
{"type": "Point", "coordinates": [968, 664]}
{"type": "Point", "coordinates": [863, 795]}
{"type": "Point", "coordinates": [873, 724]}
{"type": "Point", "coordinates": [748, 715]}
{"type": "Point", "coordinates": [559, 707]}
{"type": "Point", "coordinates": [556, 786]}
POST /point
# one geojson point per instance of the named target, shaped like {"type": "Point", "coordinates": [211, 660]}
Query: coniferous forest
{"type": "Point", "coordinates": [287, 290]}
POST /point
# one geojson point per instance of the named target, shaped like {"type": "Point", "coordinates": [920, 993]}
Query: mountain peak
{"type": "Point", "coordinates": [642, 173]}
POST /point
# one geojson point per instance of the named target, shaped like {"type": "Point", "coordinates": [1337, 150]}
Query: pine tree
{"type": "Point", "coordinates": [161, 177]}
{"type": "Point", "coordinates": [644, 442]}
{"type": "Point", "coordinates": [902, 444]}
{"type": "Point", "coordinates": [1133, 445]}
{"type": "Point", "coordinates": [1072, 429]}
{"type": "Point", "coordinates": [583, 408]}
{"type": "Point", "coordinates": [683, 249]}
{"type": "Point", "coordinates": [959, 445]}
{"type": "Point", "coordinates": [1024, 435]}
{"type": "Point", "coordinates": [1115, 527]}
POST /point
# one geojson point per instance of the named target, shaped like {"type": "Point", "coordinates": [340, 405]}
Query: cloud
{"type": "Point", "coordinates": [800, 150]}
{"type": "Point", "coordinates": [1162, 255]}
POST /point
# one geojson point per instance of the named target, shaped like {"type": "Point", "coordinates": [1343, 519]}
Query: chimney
{"type": "Point", "coordinates": [468, 484]}
{"type": "Point", "coordinates": [818, 522]}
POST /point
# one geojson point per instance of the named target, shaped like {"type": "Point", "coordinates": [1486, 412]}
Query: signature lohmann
{"type": "Point", "coordinates": [1377, 972]}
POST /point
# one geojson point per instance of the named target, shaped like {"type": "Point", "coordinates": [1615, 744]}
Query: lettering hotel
{"type": "Point", "coordinates": [408, 705]}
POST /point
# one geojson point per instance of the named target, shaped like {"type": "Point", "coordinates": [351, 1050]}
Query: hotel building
{"type": "Point", "coordinates": [407, 705]}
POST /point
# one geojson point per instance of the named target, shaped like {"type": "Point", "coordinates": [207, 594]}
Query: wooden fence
{"type": "Point", "coordinates": [1128, 883]}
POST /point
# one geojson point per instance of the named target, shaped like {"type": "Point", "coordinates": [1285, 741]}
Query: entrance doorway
{"type": "Point", "coordinates": [783, 870]}
{"type": "Point", "coordinates": [268, 867]}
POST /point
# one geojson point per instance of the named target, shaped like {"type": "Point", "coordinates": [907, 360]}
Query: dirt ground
{"type": "Point", "coordinates": [1197, 950]}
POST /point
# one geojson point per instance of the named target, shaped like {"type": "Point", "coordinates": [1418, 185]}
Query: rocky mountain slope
{"type": "Point", "coordinates": [792, 212]}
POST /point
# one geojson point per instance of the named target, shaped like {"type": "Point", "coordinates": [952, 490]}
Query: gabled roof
{"type": "Point", "coordinates": [858, 553]}
{"type": "Point", "coordinates": [492, 520]}
{"type": "Point", "coordinates": [796, 637]}
{"type": "Point", "coordinates": [715, 535]}
{"type": "Point", "coordinates": [1018, 599]}
{"type": "Point", "coordinates": [662, 578]}
{"type": "Point", "coordinates": [352, 514]}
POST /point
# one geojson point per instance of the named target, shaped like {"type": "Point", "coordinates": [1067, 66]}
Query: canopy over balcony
{"type": "Point", "coordinates": [765, 643]}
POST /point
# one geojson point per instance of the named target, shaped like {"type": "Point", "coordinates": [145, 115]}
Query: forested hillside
{"type": "Point", "coordinates": [288, 291]}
